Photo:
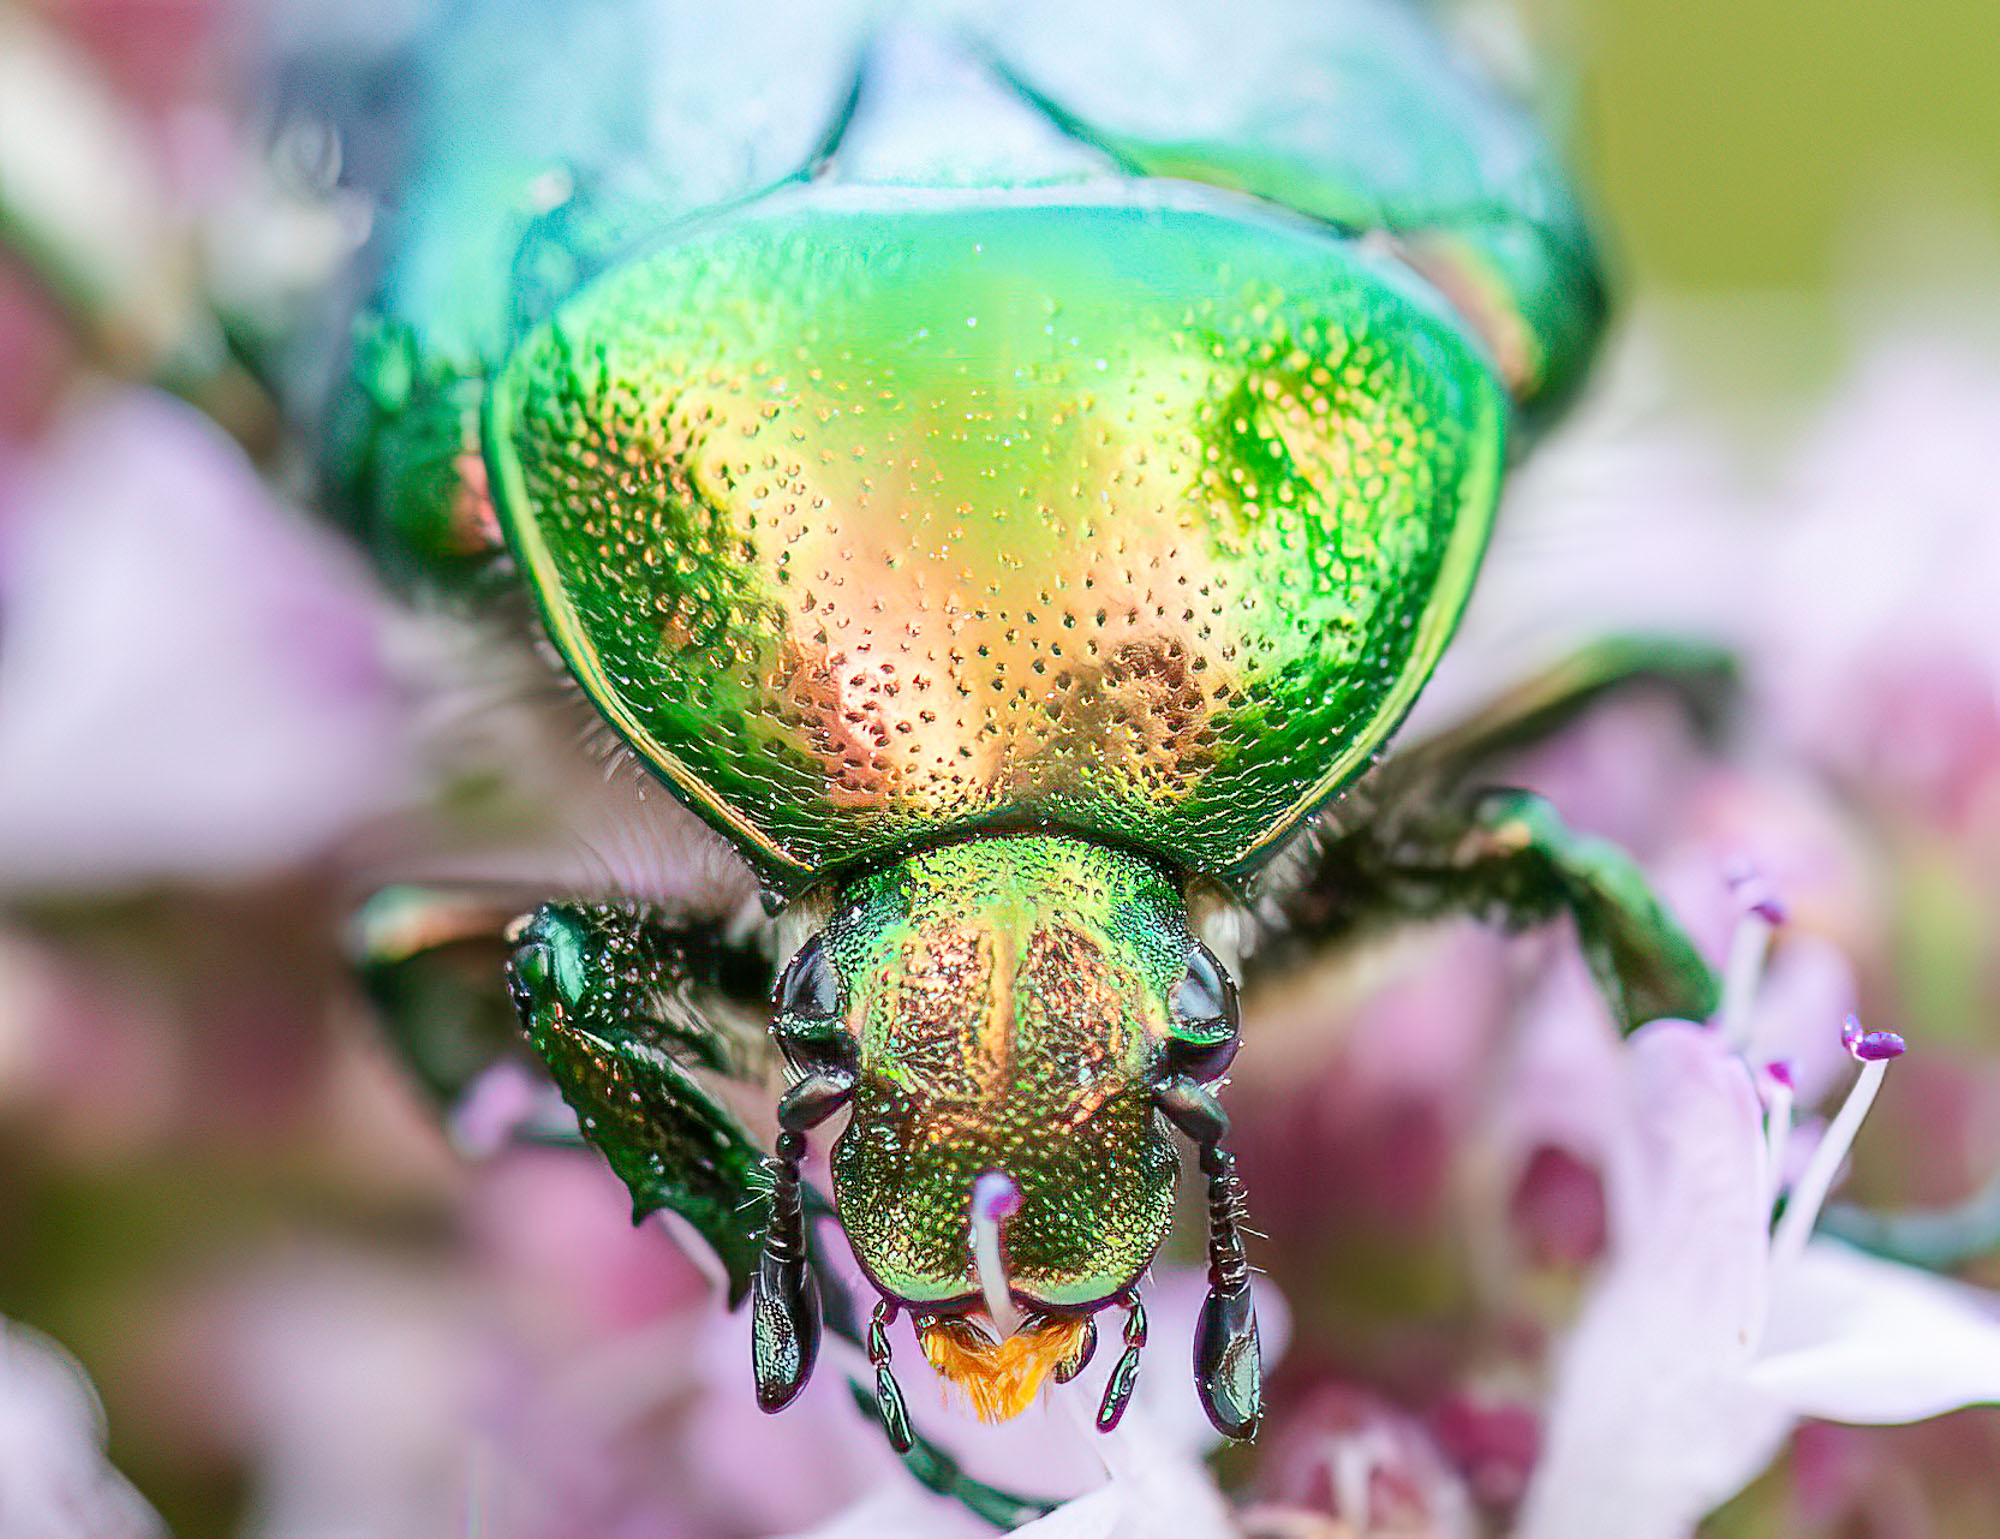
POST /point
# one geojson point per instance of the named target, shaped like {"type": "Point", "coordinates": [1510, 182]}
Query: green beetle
{"type": "Point", "coordinates": [1011, 488]}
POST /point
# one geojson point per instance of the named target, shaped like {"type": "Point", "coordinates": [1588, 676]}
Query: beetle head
{"type": "Point", "coordinates": [1004, 1009]}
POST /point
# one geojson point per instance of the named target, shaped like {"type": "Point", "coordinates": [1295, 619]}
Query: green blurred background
{"type": "Point", "coordinates": [1783, 177]}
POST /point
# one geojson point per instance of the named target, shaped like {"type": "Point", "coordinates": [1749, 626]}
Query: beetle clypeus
{"type": "Point", "coordinates": [1010, 477]}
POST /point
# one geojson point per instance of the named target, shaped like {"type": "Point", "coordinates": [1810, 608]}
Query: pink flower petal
{"type": "Point", "coordinates": [194, 676]}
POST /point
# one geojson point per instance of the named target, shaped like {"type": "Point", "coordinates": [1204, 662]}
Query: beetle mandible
{"type": "Point", "coordinates": [1009, 474]}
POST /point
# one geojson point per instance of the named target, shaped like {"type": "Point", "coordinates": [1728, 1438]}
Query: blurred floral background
{"type": "Point", "coordinates": [1523, 1277]}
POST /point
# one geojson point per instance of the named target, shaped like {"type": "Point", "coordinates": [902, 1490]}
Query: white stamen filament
{"type": "Point", "coordinates": [995, 1199]}
{"type": "Point", "coordinates": [1809, 1192]}
{"type": "Point", "coordinates": [1778, 1102]}
{"type": "Point", "coordinates": [1748, 944]}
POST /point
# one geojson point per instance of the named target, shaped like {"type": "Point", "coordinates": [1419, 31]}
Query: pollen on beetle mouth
{"type": "Point", "coordinates": [1001, 1378]}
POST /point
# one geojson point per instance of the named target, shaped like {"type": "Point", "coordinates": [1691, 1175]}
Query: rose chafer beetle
{"type": "Point", "coordinates": [1011, 487]}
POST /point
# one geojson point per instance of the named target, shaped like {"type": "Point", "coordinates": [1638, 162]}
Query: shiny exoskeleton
{"type": "Point", "coordinates": [1008, 472]}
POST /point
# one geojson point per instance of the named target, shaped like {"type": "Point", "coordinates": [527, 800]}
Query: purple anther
{"type": "Point", "coordinates": [995, 1197]}
{"type": "Point", "coordinates": [1748, 886]}
{"type": "Point", "coordinates": [1870, 1046]}
{"type": "Point", "coordinates": [1784, 1072]}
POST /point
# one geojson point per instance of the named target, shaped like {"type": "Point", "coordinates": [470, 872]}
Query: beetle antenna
{"type": "Point", "coordinates": [1228, 1371]}
{"type": "Point", "coordinates": [888, 1393]}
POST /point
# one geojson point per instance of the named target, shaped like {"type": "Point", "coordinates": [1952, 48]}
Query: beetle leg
{"type": "Point", "coordinates": [1228, 1367]}
{"type": "Point", "coordinates": [1422, 837]}
{"type": "Point", "coordinates": [1937, 1239]}
{"type": "Point", "coordinates": [1125, 1372]}
{"type": "Point", "coordinates": [784, 1300]}
{"type": "Point", "coordinates": [894, 1414]}
{"type": "Point", "coordinates": [623, 1008]}
{"type": "Point", "coordinates": [657, 997]}
{"type": "Point", "coordinates": [1506, 855]}
{"type": "Point", "coordinates": [1699, 676]}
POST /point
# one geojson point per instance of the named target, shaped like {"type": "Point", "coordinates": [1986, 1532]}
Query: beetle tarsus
{"type": "Point", "coordinates": [888, 1393]}
{"type": "Point", "coordinates": [784, 1307]}
{"type": "Point", "coordinates": [1125, 1372]}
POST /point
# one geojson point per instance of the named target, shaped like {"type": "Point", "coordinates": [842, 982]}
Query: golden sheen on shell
{"type": "Point", "coordinates": [872, 516]}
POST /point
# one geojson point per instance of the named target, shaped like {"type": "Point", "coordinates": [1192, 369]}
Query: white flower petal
{"type": "Point", "coordinates": [1153, 1494]}
{"type": "Point", "coordinates": [1651, 1422]}
{"type": "Point", "coordinates": [902, 1509]}
{"type": "Point", "coordinates": [1857, 1339]}
{"type": "Point", "coordinates": [54, 1481]}
{"type": "Point", "coordinates": [1096, 1516]}
{"type": "Point", "coordinates": [1696, 1258]}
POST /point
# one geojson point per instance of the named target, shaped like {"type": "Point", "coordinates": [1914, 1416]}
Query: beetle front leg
{"type": "Point", "coordinates": [622, 1007]}
{"type": "Point", "coordinates": [1426, 835]}
{"type": "Point", "coordinates": [1699, 677]}
{"type": "Point", "coordinates": [621, 1002]}
{"type": "Point", "coordinates": [784, 1302]}
{"type": "Point", "coordinates": [1228, 1367]}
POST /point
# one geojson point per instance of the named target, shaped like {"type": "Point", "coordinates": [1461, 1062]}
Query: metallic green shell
{"type": "Point", "coordinates": [530, 147]}
{"type": "Point", "coordinates": [868, 516]}
{"type": "Point", "coordinates": [1286, 248]}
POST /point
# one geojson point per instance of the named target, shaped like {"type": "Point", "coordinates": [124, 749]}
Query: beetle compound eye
{"type": "Point", "coordinates": [1205, 994]}
{"type": "Point", "coordinates": [1203, 1062]}
{"type": "Point", "coordinates": [809, 990]}
{"type": "Point", "coordinates": [808, 1026]}
{"type": "Point", "coordinates": [1205, 1019]}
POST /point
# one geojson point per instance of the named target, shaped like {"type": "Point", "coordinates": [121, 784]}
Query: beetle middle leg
{"type": "Point", "coordinates": [1430, 839]}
